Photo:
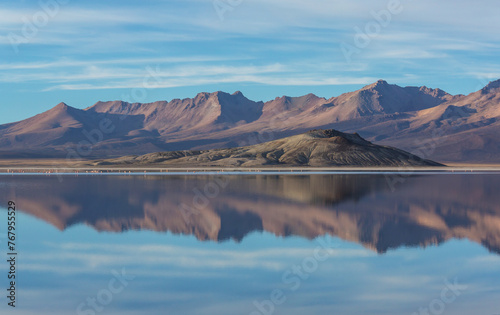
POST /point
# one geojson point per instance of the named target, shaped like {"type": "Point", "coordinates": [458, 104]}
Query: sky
{"type": "Point", "coordinates": [81, 52]}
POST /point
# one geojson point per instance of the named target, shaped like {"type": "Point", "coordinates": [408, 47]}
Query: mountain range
{"type": "Point", "coordinates": [424, 121]}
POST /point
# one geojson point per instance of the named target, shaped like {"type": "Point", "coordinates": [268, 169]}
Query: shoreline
{"type": "Point", "coordinates": [236, 171]}
{"type": "Point", "coordinates": [56, 166]}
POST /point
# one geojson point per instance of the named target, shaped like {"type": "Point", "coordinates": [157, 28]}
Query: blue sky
{"type": "Point", "coordinates": [81, 52]}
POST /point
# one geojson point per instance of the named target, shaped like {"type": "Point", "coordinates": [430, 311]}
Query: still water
{"type": "Point", "coordinates": [254, 244]}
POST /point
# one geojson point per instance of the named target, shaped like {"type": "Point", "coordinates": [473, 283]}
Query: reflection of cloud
{"type": "Point", "coordinates": [397, 281]}
{"type": "Point", "coordinates": [169, 284]}
{"type": "Point", "coordinates": [387, 296]}
{"type": "Point", "coordinates": [82, 257]}
{"type": "Point", "coordinates": [481, 262]}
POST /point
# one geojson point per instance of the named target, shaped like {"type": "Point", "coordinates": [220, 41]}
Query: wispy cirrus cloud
{"type": "Point", "coordinates": [90, 257]}
{"type": "Point", "coordinates": [172, 72]}
{"type": "Point", "coordinates": [103, 46]}
{"type": "Point", "coordinates": [68, 63]}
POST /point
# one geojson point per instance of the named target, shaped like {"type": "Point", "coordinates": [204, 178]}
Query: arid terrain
{"type": "Point", "coordinates": [317, 148]}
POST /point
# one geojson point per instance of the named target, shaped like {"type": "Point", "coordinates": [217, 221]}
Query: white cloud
{"type": "Point", "coordinates": [80, 257]}
{"type": "Point", "coordinates": [173, 72]}
{"type": "Point", "coordinates": [69, 63]}
{"type": "Point", "coordinates": [91, 46]}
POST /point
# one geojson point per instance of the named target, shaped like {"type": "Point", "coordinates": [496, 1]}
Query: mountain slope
{"type": "Point", "coordinates": [464, 128]}
{"type": "Point", "coordinates": [206, 112]}
{"type": "Point", "coordinates": [50, 128]}
{"type": "Point", "coordinates": [427, 122]}
{"type": "Point", "coordinates": [383, 98]}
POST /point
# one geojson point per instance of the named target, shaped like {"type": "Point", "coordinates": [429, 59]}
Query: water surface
{"type": "Point", "coordinates": [256, 244]}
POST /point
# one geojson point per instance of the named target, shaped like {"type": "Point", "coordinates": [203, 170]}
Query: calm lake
{"type": "Point", "coordinates": [253, 244]}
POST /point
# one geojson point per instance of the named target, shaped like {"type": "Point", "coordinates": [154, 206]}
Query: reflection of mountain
{"type": "Point", "coordinates": [423, 210]}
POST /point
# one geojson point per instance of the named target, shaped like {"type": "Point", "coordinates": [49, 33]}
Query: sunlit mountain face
{"type": "Point", "coordinates": [424, 121]}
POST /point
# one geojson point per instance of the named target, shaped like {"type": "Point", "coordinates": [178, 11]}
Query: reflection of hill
{"type": "Point", "coordinates": [423, 210]}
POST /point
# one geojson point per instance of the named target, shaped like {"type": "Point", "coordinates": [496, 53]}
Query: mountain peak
{"type": "Point", "coordinates": [61, 105]}
{"type": "Point", "coordinates": [61, 108]}
{"type": "Point", "coordinates": [326, 133]}
{"type": "Point", "coordinates": [332, 133]}
{"type": "Point", "coordinates": [491, 86]}
{"type": "Point", "coordinates": [202, 95]}
{"type": "Point", "coordinates": [380, 83]}
{"type": "Point", "coordinates": [217, 94]}
{"type": "Point", "coordinates": [231, 99]}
